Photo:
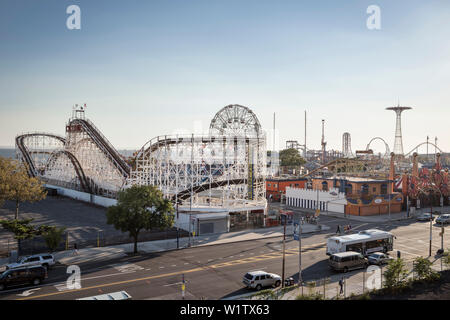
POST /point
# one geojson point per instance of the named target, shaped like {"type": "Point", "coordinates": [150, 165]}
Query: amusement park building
{"type": "Point", "coordinates": [363, 196]}
{"type": "Point", "coordinates": [276, 187]}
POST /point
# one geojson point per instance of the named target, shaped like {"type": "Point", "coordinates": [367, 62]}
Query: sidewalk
{"type": "Point", "coordinates": [105, 253]}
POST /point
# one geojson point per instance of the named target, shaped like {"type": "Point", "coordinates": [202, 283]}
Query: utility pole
{"type": "Point", "coordinates": [305, 153]}
{"type": "Point", "coordinates": [178, 230]}
{"type": "Point", "coordinates": [431, 224]}
{"type": "Point", "coordinates": [284, 250]}
{"type": "Point", "coordinates": [300, 222]}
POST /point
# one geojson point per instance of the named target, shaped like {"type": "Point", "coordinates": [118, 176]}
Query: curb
{"type": "Point", "coordinates": [206, 244]}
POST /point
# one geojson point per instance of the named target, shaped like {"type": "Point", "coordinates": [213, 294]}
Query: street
{"type": "Point", "coordinates": [215, 272]}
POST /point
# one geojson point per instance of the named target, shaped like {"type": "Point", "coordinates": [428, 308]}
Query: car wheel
{"type": "Point", "coordinates": [36, 281]}
{"type": "Point", "coordinates": [2, 287]}
{"type": "Point", "coordinates": [258, 287]}
{"type": "Point", "coordinates": [277, 283]}
{"type": "Point", "coordinates": [345, 269]}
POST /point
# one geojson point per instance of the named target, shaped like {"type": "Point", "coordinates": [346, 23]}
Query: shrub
{"type": "Point", "coordinates": [395, 274]}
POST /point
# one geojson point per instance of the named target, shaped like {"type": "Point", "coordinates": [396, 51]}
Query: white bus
{"type": "Point", "coordinates": [365, 242]}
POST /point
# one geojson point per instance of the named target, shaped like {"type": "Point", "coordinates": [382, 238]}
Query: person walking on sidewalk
{"type": "Point", "coordinates": [341, 285]}
{"type": "Point", "coordinates": [75, 249]}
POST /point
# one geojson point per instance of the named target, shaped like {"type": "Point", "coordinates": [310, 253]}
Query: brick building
{"type": "Point", "coordinates": [276, 187]}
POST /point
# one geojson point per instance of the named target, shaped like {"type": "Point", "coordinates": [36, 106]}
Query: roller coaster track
{"type": "Point", "coordinates": [161, 141]}
{"type": "Point", "coordinates": [185, 194]}
{"type": "Point", "coordinates": [84, 181]}
{"type": "Point", "coordinates": [31, 168]}
{"type": "Point", "coordinates": [103, 145]}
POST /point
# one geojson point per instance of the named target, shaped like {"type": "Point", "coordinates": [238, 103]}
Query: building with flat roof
{"type": "Point", "coordinates": [276, 187]}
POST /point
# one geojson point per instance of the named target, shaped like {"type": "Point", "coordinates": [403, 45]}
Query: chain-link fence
{"type": "Point", "coordinates": [340, 286]}
{"type": "Point", "coordinates": [101, 239]}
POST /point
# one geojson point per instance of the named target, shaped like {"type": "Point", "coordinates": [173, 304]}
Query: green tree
{"type": "Point", "coordinates": [53, 237]}
{"type": "Point", "coordinates": [395, 274]}
{"type": "Point", "coordinates": [291, 158]}
{"type": "Point", "coordinates": [423, 269]}
{"type": "Point", "coordinates": [140, 207]}
{"type": "Point", "coordinates": [23, 229]}
{"type": "Point", "coordinates": [17, 186]}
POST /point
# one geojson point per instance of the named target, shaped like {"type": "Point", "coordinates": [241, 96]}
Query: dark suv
{"type": "Point", "coordinates": [21, 276]}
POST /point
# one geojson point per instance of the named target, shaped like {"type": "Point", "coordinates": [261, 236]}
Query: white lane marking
{"type": "Point", "coordinates": [126, 267]}
{"type": "Point", "coordinates": [161, 267]}
{"type": "Point", "coordinates": [186, 263]}
{"type": "Point", "coordinates": [174, 265]}
{"type": "Point", "coordinates": [148, 269]}
{"type": "Point", "coordinates": [28, 292]}
{"type": "Point", "coordinates": [174, 284]}
{"type": "Point", "coordinates": [413, 254]}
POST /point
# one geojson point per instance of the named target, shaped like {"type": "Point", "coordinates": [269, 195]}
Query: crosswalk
{"type": "Point", "coordinates": [126, 267]}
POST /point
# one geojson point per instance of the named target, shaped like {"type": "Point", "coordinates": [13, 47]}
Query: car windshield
{"type": "Point", "coordinates": [375, 255]}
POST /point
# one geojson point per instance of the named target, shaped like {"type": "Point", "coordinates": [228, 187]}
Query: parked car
{"type": "Point", "coordinates": [20, 276]}
{"type": "Point", "coordinates": [425, 217]}
{"type": "Point", "coordinates": [44, 260]}
{"type": "Point", "coordinates": [443, 219]}
{"type": "Point", "coordinates": [349, 260]}
{"type": "Point", "coordinates": [259, 279]}
{"type": "Point", "coordinates": [379, 258]}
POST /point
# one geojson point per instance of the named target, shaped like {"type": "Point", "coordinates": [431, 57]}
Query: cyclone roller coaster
{"type": "Point", "coordinates": [224, 168]}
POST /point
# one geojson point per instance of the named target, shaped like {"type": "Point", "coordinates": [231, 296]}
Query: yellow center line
{"type": "Point", "coordinates": [269, 256]}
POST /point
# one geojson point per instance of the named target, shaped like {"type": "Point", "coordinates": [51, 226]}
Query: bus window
{"type": "Point", "coordinates": [355, 247]}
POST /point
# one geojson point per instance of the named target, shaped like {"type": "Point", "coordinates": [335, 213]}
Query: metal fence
{"type": "Point", "coordinates": [353, 284]}
{"type": "Point", "coordinates": [101, 239]}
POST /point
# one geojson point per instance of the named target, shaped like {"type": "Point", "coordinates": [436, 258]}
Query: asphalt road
{"type": "Point", "coordinates": [215, 272]}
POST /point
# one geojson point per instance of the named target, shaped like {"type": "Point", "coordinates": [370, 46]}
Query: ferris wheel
{"type": "Point", "coordinates": [235, 120]}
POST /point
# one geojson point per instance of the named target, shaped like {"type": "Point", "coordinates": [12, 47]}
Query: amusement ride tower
{"type": "Point", "coordinates": [398, 144]}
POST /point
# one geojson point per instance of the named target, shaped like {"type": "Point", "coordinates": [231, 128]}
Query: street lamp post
{"type": "Point", "coordinates": [300, 279]}
{"type": "Point", "coordinates": [431, 224]}
{"type": "Point", "coordinates": [284, 250]}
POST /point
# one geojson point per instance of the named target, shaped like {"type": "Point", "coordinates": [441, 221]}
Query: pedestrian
{"type": "Point", "coordinates": [341, 285]}
{"type": "Point", "coordinates": [75, 249]}
{"type": "Point", "coordinates": [338, 230]}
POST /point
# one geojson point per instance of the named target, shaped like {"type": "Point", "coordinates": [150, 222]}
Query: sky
{"type": "Point", "coordinates": [149, 68]}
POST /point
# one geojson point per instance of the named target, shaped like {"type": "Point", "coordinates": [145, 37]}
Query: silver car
{"type": "Point", "coordinates": [379, 258]}
{"type": "Point", "coordinates": [259, 279]}
{"type": "Point", "coordinates": [425, 217]}
{"type": "Point", "coordinates": [44, 260]}
{"type": "Point", "coordinates": [443, 219]}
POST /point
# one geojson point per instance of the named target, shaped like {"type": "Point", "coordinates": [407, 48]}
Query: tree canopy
{"type": "Point", "coordinates": [16, 185]}
{"type": "Point", "coordinates": [291, 157]}
{"type": "Point", "coordinates": [138, 208]}
{"type": "Point", "coordinates": [23, 229]}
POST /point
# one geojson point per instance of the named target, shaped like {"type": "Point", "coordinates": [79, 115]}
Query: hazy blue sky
{"type": "Point", "coordinates": [148, 68]}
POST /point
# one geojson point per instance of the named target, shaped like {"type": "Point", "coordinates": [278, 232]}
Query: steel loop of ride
{"type": "Point", "coordinates": [421, 144]}
{"type": "Point", "coordinates": [387, 152]}
{"type": "Point", "coordinates": [225, 168]}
